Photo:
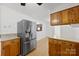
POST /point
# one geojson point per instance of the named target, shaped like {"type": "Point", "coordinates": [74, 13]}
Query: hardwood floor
{"type": "Point", "coordinates": [42, 48]}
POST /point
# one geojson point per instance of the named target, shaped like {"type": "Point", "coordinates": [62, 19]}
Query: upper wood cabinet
{"type": "Point", "coordinates": [73, 15]}
{"type": "Point", "coordinates": [65, 17]}
{"type": "Point", "coordinates": [56, 18]}
{"type": "Point", "coordinates": [68, 16]}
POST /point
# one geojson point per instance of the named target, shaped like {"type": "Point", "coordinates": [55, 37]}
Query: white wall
{"type": "Point", "coordinates": [10, 17]}
{"type": "Point", "coordinates": [49, 29]}
{"type": "Point", "coordinates": [0, 19]}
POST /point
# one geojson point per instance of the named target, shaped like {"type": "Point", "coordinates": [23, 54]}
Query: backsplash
{"type": "Point", "coordinates": [8, 36]}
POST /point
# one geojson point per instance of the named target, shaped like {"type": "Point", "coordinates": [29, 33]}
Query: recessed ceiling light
{"type": "Point", "coordinates": [23, 4]}
{"type": "Point", "coordinates": [39, 4]}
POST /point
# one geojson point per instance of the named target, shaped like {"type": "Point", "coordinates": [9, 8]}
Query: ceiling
{"type": "Point", "coordinates": [39, 12]}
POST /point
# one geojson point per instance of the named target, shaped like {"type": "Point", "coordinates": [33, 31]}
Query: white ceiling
{"type": "Point", "coordinates": [39, 12]}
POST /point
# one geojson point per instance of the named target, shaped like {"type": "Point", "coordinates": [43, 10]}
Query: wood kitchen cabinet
{"type": "Point", "coordinates": [63, 48]}
{"type": "Point", "coordinates": [68, 16]}
{"type": "Point", "coordinates": [56, 18]}
{"type": "Point", "coordinates": [77, 49]}
{"type": "Point", "coordinates": [10, 47]}
{"type": "Point", "coordinates": [73, 15]}
{"type": "Point", "coordinates": [5, 50]}
{"type": "Point", "coordinates": [65, 17]}
{"type": "Point", "coordinates": [54, 48]}
{"type": "Point", "coordinates": [15, 47]}
{"type": "Point", "coordinates": [68, 48]}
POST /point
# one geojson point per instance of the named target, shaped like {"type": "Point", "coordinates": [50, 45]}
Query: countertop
{"type": "Point", "coordinates": [5, 39]}
{"type": "Point", "coordinates": [73, 40]}
{"type": "Point", "coordinates": [9, 36]}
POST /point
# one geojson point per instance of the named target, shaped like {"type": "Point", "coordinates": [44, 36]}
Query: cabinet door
{"type": "Point", "coordinates": [52, 48]}
{"type": "Point", "coordinates": [53, 18]}
{"type": "Point", "coordinates": [65, 17]}
{"type": "Point", "coordinates": [76, 14]}
{"type": "Point", "coordinates": [33, 44]}
{"type": "Point", "coordinates": [63, 49]}
{"type": "Point", "coordinates": [73, 14]}
{"type": "Point", "coordinates": [12, 48]}
{"type": "Point", "coordinates": [59, 47]}
{"type": "Point", "coordinates": [77, 49]}
{"type": "Point", "coordinates": [68, 49]}
{"type": "Point", "coordinates": [72, 49]}
{"type": "Point", "coordinates": [5, 50]}
{"type": "Point", "coordinates": [15, 47]}
{"type": "Point", "coordinates": [56, 18]}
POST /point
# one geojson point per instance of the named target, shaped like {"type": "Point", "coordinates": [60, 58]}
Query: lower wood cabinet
{"type": "Point", "coordinates": [10, 47]}
{"type": "Point", "coordinates": [5, 51]}
{"type": "Point", "coordinates": [63, 48]}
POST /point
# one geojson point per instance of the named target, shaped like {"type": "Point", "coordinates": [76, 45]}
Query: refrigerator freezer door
{"type": "Point", "coordinates": [32, 44]}
{"type": "Point", "coordinates": [25, 48]}
{"type": "Point", "coordinates": [33, 31]}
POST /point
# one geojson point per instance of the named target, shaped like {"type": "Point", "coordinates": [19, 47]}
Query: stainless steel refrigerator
{"type": "Point", "coordinates": [27, 33]}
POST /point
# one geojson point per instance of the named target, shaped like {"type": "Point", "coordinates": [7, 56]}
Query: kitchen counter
{"type": "Point", "coordinates": [5, 39]}
{"type": "Point", "coordinates": [8, 36]}
{"type": "Point", "coordinates": [73, 40]}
